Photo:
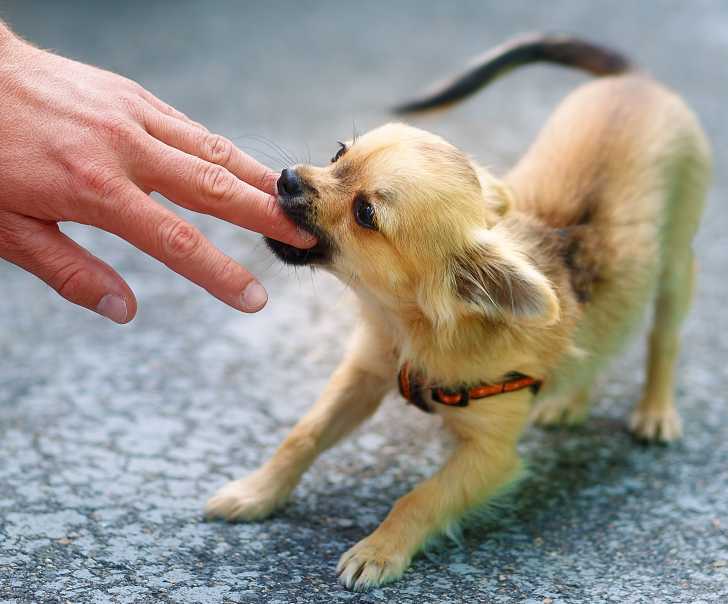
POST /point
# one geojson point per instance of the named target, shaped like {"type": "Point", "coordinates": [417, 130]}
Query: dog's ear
{"type": "Point", "coordinates": [494, 277]}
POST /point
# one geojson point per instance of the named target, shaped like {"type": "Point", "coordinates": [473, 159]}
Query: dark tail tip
{"type": "Point", "coordinates": [564, 50]}
{"type": "Point", "coordinates": [420, 106]}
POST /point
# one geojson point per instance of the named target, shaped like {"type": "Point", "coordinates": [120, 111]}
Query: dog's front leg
{"type": "Point", "coordinates": [354, 392]}
{"type": "Point", "coordinates": [484, 461]}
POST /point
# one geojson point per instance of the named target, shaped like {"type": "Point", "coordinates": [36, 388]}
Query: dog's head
{"type": "Point", "coordinates": [410, 221]}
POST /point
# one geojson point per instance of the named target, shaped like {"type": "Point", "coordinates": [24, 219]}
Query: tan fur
{"type": "Point", "coordinates": [469, 277]}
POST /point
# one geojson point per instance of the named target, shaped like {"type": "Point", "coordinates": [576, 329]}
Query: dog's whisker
{"type": "Point", "coordinates": [288, 156]}
{"type": "Point", "coordinates": [284, 157]}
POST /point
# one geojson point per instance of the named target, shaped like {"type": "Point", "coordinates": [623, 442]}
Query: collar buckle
{"type": "Point", "coordinates": [451, 398]}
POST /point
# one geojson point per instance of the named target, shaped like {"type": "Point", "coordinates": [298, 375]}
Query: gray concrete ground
{"type": "Point", "coordinates": [112, 438]}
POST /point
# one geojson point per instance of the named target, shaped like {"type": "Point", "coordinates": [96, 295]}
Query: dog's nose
{"type": "Point", "coordinates": [289, 183]}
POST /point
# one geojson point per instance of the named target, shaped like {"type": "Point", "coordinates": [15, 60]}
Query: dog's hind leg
{"type": "Point", "coordinates": [354, 392]}
{"type": "Point", "coordinates": [656, 418]}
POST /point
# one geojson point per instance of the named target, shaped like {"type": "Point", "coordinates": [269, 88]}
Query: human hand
{"type": "Point", "coordinates": [85, 145]}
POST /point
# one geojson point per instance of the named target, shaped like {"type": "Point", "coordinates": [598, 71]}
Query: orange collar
{"type": "Point", "coordinates": [412, 387]}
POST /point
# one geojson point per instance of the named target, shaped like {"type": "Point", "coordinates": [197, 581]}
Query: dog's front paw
{"type": "Point", "coordinates": [252, 498]}
{"type": "Point", "coordinates": [372, 562]}
{"type": "Point", "coordinates": [661, 424]}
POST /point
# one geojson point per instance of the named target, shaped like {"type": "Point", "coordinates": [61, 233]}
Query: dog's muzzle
{"type": "Point", "coordinates": [295, 202]}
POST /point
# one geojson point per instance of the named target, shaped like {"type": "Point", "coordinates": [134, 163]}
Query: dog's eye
{"type": "Point", "coordinates": [340, 152]}
{"type": "Point", "coordinates": [364, 213]}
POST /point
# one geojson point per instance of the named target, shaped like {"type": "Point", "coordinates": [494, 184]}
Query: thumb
{"type": "Point", "coordinates": [77, 275]}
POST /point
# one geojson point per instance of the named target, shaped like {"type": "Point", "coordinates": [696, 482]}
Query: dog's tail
{"type": "Point", "coordinates": [522, 50]}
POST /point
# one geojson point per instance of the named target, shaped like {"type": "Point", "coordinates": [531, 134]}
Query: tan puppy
{"type": "Point", "coordinates": [471, 285]}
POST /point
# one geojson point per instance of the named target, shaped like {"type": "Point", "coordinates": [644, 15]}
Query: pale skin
{"type": "Point", "coordinates": [85, 145]}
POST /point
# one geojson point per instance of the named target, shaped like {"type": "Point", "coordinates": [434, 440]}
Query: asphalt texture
{"type": "Point", "coordinates": [112, 438]}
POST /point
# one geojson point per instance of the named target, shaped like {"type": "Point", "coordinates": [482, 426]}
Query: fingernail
{"type": "Point", "coordinates": [113, 307]}
{"type": "Point", "coordinates": [306, 237]}
{"type": "Point", "coordinates": [254, 297]}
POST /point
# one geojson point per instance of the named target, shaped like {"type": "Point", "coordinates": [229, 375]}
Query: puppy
{"type": "Point", "coordinates": [491, 300]}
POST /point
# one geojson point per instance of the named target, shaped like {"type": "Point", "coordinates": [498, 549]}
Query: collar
{"type": "Point", "coordinates": [412, 387]}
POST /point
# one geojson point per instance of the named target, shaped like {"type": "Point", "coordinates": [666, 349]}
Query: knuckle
{"type": "Point", "coordinates": [119, 131]}
{"type": "Point", "coordinates": [267, 181]}
{"type": "Point", "coordinates": [109, 184]}
{"type": "Point", "coordinates": [168, 109]}
{"type": "Point", "coordinates": [216, 183]}
{"type": "Point", "coordinates": [132, 105]}
{"type": "Point", "coordinates": [101, 181]}
{"type": "Point", "coordinates": [228, 271]}
{"type": "Point", "coordinates": [137, 89]}
{"type": "Point", "coordinates": [218, 149]}
{"type": "Point", "coordinates": [70, 281]}
{"type": "Point", "coordinates": [271, 211]}
{"type": "Point", "coordinates": [179, 239]}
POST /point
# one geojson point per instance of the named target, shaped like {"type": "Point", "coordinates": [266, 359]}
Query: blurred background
{"type": "Point", "coordinates": [112, 438]}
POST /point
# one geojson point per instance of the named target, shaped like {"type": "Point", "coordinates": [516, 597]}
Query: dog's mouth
{"type": "Point", "coordinates": [298, 209]}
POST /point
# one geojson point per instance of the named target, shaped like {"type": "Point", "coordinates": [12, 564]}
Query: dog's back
{"type": "Point", "coordinates": [609, 157]}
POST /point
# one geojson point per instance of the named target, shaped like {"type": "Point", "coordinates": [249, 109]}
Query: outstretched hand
{"type": "Point", "coordinates": [85, 145]}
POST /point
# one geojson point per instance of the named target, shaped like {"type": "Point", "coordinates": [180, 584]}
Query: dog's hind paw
{"type": "Point", "coordinates": [370, 564]}
{"type": "Point", "coordinates": [251, 498]}
{"type": "Point", "coordinates": [663, 425]}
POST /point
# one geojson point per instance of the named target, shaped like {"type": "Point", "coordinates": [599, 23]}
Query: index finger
{"type": "Point", "coordinates": [211, 147]}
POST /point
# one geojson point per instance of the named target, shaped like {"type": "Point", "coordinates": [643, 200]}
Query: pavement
{"type": "Point", "coordinates": [112, 438]}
